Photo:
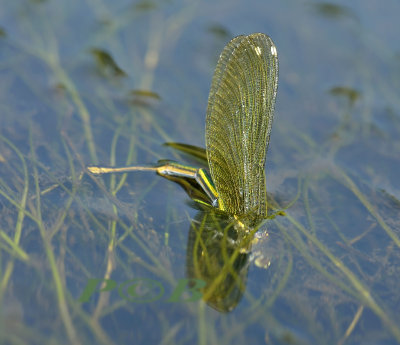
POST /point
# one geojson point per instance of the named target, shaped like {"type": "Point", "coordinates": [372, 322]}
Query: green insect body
{"type": "Point", "coordinates": [238, 126]}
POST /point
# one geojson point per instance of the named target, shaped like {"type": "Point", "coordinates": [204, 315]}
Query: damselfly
{"type": "Point", "coordinates": [238, 126]}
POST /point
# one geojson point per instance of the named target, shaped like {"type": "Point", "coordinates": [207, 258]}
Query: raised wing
{"type": "Point", "coordinates": [238, 125]}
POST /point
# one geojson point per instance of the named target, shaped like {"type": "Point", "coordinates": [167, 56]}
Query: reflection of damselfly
{"type": "Point", "coordinates": [238, 125]}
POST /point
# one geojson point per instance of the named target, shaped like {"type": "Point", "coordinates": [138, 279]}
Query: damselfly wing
{"type": "Point", "coordinates": [238, 124]}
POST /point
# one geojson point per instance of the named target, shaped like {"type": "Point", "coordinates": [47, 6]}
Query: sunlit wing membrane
{"type": "Point", "coordinates": [239, 119]}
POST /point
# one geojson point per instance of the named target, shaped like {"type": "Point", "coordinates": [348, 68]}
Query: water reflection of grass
{"type": "Point", "coordinates": [331, 272]}
{"type": "Point", "coordinates": [27, 199]}
{"type": "Point", "coordinates": [351, 279]}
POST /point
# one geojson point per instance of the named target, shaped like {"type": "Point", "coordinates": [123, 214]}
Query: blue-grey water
{"type": "Point", "coordinates": [107, 83]}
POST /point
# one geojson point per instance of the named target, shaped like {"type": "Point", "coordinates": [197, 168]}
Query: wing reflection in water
{"type": "Point", "coordinates": [218, 252]}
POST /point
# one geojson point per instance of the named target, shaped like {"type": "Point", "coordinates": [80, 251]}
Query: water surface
{"type": "Point", "coordinates": [85, 83]}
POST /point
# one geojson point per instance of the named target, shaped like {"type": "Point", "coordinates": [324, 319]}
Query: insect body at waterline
{"type": "Point", "coordinates": [238, 125]}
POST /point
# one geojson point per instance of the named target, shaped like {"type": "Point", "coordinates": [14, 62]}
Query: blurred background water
{"type": "Point", "coordinates": [107, 83]}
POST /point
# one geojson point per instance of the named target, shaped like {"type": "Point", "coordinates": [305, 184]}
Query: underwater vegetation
{"type": "Point", "coordinates": [317, 264]}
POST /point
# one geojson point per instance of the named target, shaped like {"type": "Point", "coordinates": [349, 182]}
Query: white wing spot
{"type": "Point", "coordinates": [258, 50]}
{"type": "Point", "coordinates": [273, 51]}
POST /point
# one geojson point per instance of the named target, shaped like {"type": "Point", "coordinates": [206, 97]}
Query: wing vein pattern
{"type": "Point", "coordinates": [239, 119]}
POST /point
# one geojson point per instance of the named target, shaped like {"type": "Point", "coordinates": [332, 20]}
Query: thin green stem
{"type": "Point", "coordinates": [62, 303]}
{"type": "Point", "coordinates": [20, 218]}
{"type": "Point", "coordinates": [341, 176]}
